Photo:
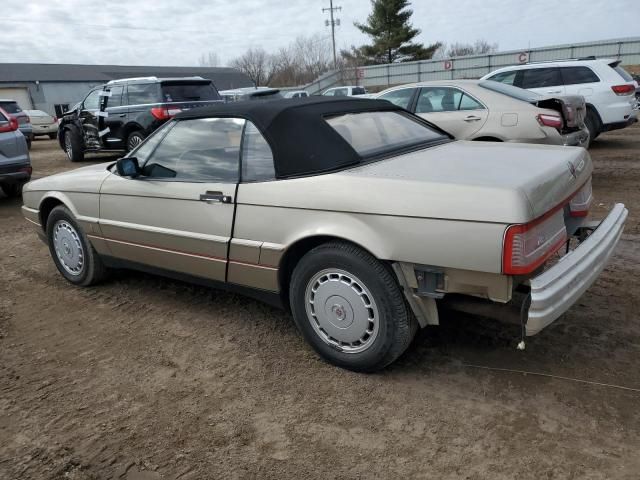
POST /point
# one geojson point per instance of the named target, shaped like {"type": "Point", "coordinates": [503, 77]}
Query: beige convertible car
{"type": "Point", "coordinates": [357, 215]}
{"type": "Point", "coordinates": [491, 111]}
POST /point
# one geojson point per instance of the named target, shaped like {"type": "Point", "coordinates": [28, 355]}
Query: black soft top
{"type": "Point", "coordinates": [302, 142]}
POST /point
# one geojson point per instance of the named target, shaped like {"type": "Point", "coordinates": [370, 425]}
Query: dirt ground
{"type": "Point", "coordinates": [148, 378]}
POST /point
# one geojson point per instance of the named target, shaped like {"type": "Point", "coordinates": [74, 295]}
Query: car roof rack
{"type": "Point", "coordinates": [590, 57]}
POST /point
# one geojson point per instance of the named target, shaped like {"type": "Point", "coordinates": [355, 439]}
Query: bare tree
{"type": "Point", "coordinates": [480, 47]}
{"type": "Point", "coordinates": [210, 59]}
{"type": "Point", "coordinates": [257, 64]}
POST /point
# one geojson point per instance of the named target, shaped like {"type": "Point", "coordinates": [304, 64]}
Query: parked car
{"type": "Point", "coordinates": [43, 123]}
{"type": "Point", "coordinates": [15, 164]}
{"type": "Point", "coordinates": [490, 111]}
{"type": "Point", "coordinates": [358, 225]}
{"type": "Point", "coordinates": [295, 94]}
{"type": "Point", "coordinates": [122, 113]}
{"type": "Point", "coordinates": [12, 108]}
{"type": "Point", "coordinates": [250, 93]}
{"type": "Point", "coordinates": [608, 89]}
{"type": "Point", "coordinates": [348, 91]}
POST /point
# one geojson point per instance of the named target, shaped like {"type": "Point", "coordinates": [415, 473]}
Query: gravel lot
{"type": "Point", "coordinates": [147, 378]}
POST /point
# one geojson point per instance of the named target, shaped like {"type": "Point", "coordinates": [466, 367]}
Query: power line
{"type": "Point", "coordinates": [333, 23]}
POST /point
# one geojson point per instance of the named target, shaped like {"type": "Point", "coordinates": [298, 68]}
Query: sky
{"type": "Point", "coordinates": [179, 32]}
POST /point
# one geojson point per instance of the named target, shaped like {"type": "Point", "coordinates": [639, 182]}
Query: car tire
{"type": "Point", "coordinates": [593, 125]}
{"type": "Point", "coordinates": [13, 190]}
{"type": "Point", "coordinates": [73, 146]}
{"type": "Point", "coordinates": [53, 136]}
{"type": "Point", "coordinates": [72, 253]}
{"type": "Point", "coordinates": [134, 139]}
{"type": "Point", "coordinates": [364, 323]}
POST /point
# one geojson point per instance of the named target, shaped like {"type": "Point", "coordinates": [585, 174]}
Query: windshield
{"type": "Point", "coordinates": [189, 92]}
{"type": "Point", "coordinates": [10, 107]}
{"type": "Point", "coordinates": [375, 133]}
{"type": "Point", "coordinates": [510, 91]}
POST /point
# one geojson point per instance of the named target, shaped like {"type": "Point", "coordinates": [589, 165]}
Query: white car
{"type": "Point", "coordinates": [43, 123]}
{"type": "Point", "coordinates": [347, 91]}
{"type": "Point", "coordinates": [607, 88]}
{"type": "Point", "coordinates": [295, 94]}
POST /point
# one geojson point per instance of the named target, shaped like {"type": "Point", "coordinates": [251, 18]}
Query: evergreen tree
{"type": "Point", "coordinates": [389, 27]}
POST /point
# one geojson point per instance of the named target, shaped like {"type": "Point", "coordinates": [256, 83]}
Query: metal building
{"type": "Point", "coordinates": [56, 87]}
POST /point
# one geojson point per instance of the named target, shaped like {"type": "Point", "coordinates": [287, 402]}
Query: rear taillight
{"type": "Point", "coordinates": [55, 120]}
{"type": "Point", "coordinates": [547, 120]}
{"type": "Point", "coordinates": [164, 113]}
{"type": "Point", "coordinates": [27, 119]}
{"type": "Point", "coordinates": [10, 125]}
{"type": "Point", "coordinates": [528, 246]}
{"type": "Point", "coordinates": [581, 201]}
{"type": "Point", "coordinates": [626, 89]}
{"type": "Point", "coordinates": [28, 170]}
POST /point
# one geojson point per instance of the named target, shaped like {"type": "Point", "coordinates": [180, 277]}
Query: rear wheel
{"type": "Point", "coordinates": [53, 136]}
{"type": "Point", "coordinates": [73, 146]}
{"type": "Point", "coordinates": [593, 125]}
{"type": "Point", "coordinates": [134, 139]}
{"type": "Point", "coordinates": [12, 190]}
{"type": "Point", "coordinates": [71, 251]}
{"type": "Point", "coordinates": [350, 308]}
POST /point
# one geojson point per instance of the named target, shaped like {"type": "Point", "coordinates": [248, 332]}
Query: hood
{"type": "Point", "coordinates": [470, 181]}
{"type": "Point", "coordinates": [85, 179]}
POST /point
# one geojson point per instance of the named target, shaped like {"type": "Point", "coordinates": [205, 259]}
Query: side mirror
{"type": "Point", "coordinates": [128, 167]}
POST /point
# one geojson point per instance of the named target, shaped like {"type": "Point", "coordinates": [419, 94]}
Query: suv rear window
{"type": "Point", "coordinates": [189, 92]}
{"type": "Point", "coordinates": [623, 73]}
{"type": "Point", "coordinates": [358, 91]}
{"type": "Point", "coordinates": [375, 133]}
{"type": "Point", "coordinates": [10, 107]}
{"type": "Point", "coordinates": [576, 75]}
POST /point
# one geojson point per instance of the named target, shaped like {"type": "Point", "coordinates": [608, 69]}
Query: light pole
{"type": "Point", "coordinates": [333, 24]}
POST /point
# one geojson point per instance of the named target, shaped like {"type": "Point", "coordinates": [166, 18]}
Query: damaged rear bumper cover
{"type": "Point", "coordinates": [558, 288]}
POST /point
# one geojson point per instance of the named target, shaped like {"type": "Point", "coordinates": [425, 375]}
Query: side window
{"type": "Point", "coordinates": [143, 93]}
{"type": "Point", "coordinates": [576, 75]}
{"type": "Point", "coordinates": [329, 93]}
{"type": "Point", "coordinates": [92, 101]}
{"type": "Point", "coordinates": [341, 92]}
{"type": "Point", "coordinates": [438, 99]}
{"type": "Point", "coordinates": [402, 98]}
{"type": "Point", "coordinates": [115, 100]}
{"type": "Point", "coordinates": [257, 159]}
{"type": "Point", "coordinates": [505, 77]}
{"type": "Point", "coordinates": [200, 150]}
{"type": "Point", "coordinates": [541, 77]}
{"type": "Point", "coordinates": [470, 103]}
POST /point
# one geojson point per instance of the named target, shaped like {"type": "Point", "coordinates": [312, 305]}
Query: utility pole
{"type": "Point", "coordinates": [333, 24]}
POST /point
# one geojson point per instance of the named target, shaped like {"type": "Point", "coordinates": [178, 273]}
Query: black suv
{"type": "Point", "coordinates": [120, 114]}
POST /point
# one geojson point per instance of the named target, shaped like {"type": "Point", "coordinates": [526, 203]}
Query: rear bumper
{"type": "Point", "coordinates": [576, 139]}
{"type": "Point", "coordinates": [558, 288]}
{"type": "Point", "coordinates": [15, 173]}
{"type": "Point", "coordinates": [44, 129]}
{"type": "Point", "coordinates": [607, 127]}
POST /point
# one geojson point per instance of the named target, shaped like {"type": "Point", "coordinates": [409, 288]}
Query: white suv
{"type": "Point", "coordinates": [348, 91]}
{"type": "Point", "coordinates": [607, 88]}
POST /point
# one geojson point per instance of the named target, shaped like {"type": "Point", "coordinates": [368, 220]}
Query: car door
{"type": "Point", "coordinates": [542, 80]}
{"type": "Point", "coordinates": [178, 215]}
{"type": "Point", "coordinates": [89, 119]}
{"type": "Point", "coordinates": [117, 116]}
{"type": "Point", "coordinates": [451, 109]}
{"type": "Point", "coordinates": [580, 80]}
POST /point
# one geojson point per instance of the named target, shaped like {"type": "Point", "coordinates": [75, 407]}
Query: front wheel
{"type": "Point", "coordinates": [71, 251]}
{"type": "Point", "coordinates": [73, 146]}
{"type": "Point", "coordinates": [350, 308]}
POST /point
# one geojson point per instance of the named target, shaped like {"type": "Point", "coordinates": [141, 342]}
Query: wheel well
{"type": "Point", "coordinates": [593, 109]}
{"type": "Point", "coordinates": [46, 206]}
{"type": "Point", "coordinates": [487, 139]}
{"type": "Point", "coordinates": [294, 254]}
{"type": "Point", "coordinates": [130, 128]}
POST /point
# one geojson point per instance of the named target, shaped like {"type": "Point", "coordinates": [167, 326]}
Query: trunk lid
{"type": "Point", "coordinates": [572, 108]}
{"type": "Point", "coordinates": [473, 181]}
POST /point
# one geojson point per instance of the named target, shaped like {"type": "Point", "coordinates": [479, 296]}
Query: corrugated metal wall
{"type": "Point", "coordinates": [627, 50]}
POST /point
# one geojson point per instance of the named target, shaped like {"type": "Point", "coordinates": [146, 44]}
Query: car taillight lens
{"type": "Point", "coordinates": [163, 113]}
{"type": "Point", "coordinates": [626, 89]}
{"type": "Point", "coordinates": [546, 120]}
{"type": "Point", "coordinates": [581, 201]}
{"type": "Point", "coordinates": [10, 126]}
{"type": "Point", "coordinates": [28, 170]}
{"type": "Point", "coordinates": [528, 246]}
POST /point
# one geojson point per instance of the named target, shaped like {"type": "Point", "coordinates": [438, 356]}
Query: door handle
{"type": "Point", "coordinates": [554, 91]}
{"type": "Point", "coordinates": [122, 115]}
{"type": "Point", "coordinates": [215, 197]}
{"type": "Point", "coordinates": [472, 118]}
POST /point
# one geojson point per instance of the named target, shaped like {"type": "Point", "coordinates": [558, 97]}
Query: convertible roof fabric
{"type": "Point", "coordinates": [302, 142]}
